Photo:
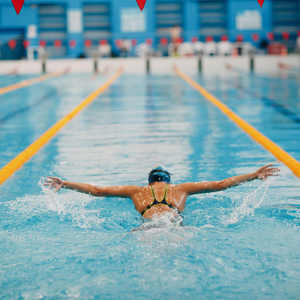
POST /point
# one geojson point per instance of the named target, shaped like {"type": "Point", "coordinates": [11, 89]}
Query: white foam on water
{"type": "Point", "coordinates": [161, 222]}
{"type": "Point", "coordinates": [82, 210]}
{"type": "Point", "coordinates": [69, 206]}
{"type": "Point", "coordinates": [53, 200]}
{"type": "Point", "coordinates": [250, 203]}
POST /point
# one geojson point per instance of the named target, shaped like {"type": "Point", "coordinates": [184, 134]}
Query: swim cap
{"type": "Point", "coordinates": [159, 173]}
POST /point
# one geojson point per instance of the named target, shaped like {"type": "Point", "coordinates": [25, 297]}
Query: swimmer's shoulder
{"type": "Point", "coordinates": [136, 189]}
{"type": "Point", "coordinates": [193, 187]}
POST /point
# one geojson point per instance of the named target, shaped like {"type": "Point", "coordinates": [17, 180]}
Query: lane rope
{"type": "Point", "coordinates": [31, 81]}
{"type": "Point", "coordinates": [278, 152]}
{"type": "Point", "coordinates": [31, 150]}
{"type": "Point", "coordinates": [282, 109]}
{"type": "Point", "coordinates": [257, 76]}
{"type": "Point", "coordinates": [287, 67]}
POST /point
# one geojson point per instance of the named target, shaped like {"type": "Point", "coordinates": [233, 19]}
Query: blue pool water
{"type": "Point", "coordinates": [242, 243]}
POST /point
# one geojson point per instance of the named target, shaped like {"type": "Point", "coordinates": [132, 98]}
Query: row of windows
{"type": "Point", "coordinates": [53, 25]}
{"type": "Point", "coordinates": [212, 20]}
{"type": "Point", "coordinates": [213, 17]}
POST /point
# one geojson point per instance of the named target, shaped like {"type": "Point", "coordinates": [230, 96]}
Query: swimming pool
{"type": "Point", "coordinates": [239, 243]}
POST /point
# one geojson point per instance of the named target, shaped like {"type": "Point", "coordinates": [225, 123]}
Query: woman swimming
{"type": "Point", "coordinates": [160, 196]}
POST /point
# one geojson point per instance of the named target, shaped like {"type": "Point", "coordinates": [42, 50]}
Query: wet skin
{"type": "Point", "coordinates": [177, 194]}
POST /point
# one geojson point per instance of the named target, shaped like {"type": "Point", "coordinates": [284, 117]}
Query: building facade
{"type": "Point", "coordinates": [67, 27]}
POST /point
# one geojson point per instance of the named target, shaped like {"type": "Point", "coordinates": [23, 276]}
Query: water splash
{"type": "Point", "coordinates": [160, 222]}
{"type": "Point", "coordinates": [81, 209]}
{"type": "Point", "coordinates": [52, 199]}
{"type": "Point", "coordinates": [250, 203]}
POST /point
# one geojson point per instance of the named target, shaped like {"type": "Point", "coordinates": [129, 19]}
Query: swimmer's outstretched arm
{"type": "Point", "coordinates": [214, 186]}
{"type": "Point", "coordinates": [125, 191]}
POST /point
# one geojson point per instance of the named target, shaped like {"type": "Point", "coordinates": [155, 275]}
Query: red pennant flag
{"type": "Point", "coordinates": [164, 41]}
{"type": "Point", "coordinates": [43, 43]}
{"type": "Point", "coordinates": [26, 44]}
{"type": "Point", "coordinates": [270, 36]}
{"type": "Point", "coordinates": [12, 44]}
{"type": "Point", "coordinates": [149, 42]}
{"type": "Point", "coordinates": [261, 2]}
{"type": "Point", "coordinates": [255, 37]}
{"type": "Point", "coordinates": [103, 42]}
{"type": "Point", "coordinates": [18, 4]}
{"type": "Point", "coordinates": [57, 43]}
{"type": "Point", "coordinates": [88, 43]}
{"type": "Point", "coordinates": [141, 4]}
{"type": "Point", "coordinates": [72, 43]}
{"type": "Point", "coordinates": [118, 43]}
{"type": "Point", "coordinates": [286, 36]}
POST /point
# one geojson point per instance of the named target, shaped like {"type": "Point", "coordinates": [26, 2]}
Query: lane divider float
{"type": "Point", "coordinates": [287, 67]}
{"type": "Point", "coordinates": [278, 152]}
{"type": "Point", "coordinates": [282, 109]}
{"type": "Point", "coordinates": [31, 150]}
{"type": "Point", "coordinates": [11, 72]}
{"type": "Point", "coordinates": [255, 75]}
{"type": "Point", "coordinates": [31, 81]}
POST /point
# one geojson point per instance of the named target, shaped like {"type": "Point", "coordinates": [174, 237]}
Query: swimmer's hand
{"type": "Point", "coordinates": [264, 172]}
{"type": "Point", "coordinates": [54, 182]}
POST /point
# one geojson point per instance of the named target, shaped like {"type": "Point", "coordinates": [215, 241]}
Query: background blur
{"type": "Point", "coordinates": [79, 28]}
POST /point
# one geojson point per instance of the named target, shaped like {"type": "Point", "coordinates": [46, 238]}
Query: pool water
{"type": "Point", "coordinates": [242, 243]}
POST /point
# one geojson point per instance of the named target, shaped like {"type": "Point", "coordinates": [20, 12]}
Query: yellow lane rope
{"type": "Point", "coordinates": [31, 81]}
{"type": "Point", "coordinates": [278, 152]}
{"type": "Point", "coordinates": [24, 156]}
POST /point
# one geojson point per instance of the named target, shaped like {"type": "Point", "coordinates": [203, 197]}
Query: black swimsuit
{"type": "Point", "coordinates": [155, 202]}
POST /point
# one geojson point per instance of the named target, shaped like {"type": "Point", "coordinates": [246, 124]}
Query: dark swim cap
{"type": "Point", "coordinates": [159, 173]}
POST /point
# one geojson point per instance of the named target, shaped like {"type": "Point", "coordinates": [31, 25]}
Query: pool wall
{"type": "Point", "coordinates": [157, 65]}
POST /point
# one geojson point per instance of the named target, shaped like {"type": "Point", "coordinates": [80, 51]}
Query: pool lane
{"type": "Point", "coordinates": [31, 150]}
{"type": "Point", "coordinates": [12, 79]}
{"type": "Point", "coordinates": [290, 80]}
{"type": "Point", "coordinates": [281, 129]}
{"type": "Point", "coordinates": [29, 82]}
{"type": "Point", "coordinates": [268, 144]}
{"type": "Point", "coordinates": [27, 113]}
{"type": "Point", "coordinates": [15, 113]}
{"type": "Point", "coordinates": [279, 105]}
{"type": "Point", "coordinates": [279, 121]}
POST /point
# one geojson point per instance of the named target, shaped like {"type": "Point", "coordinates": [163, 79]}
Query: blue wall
{"type": "Point", "coordinates": [190, 14]}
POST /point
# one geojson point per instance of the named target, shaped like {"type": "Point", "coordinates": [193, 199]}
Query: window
{"type": "Point", "coordinates": [96, 22]}
{"type": "Point", "coordinates": [213, 18]}
{"type": "Point", "coordinates": [167, 14]}
{"type": "Point", "coordinates": [285, 16]}
{"type": "Point", "coordinates": [53, 26]}
{"type": "Point", "coordinates": [133, 20]}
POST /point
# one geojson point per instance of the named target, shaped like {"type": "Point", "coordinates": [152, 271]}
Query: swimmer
{"type": "Point", "coordinates": [160, 196]}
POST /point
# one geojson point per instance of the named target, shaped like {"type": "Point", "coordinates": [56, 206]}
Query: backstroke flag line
{"type": "Point", "coordinates": [18, 4]}
{"type": "Point", "coordinates": [141, 3]}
